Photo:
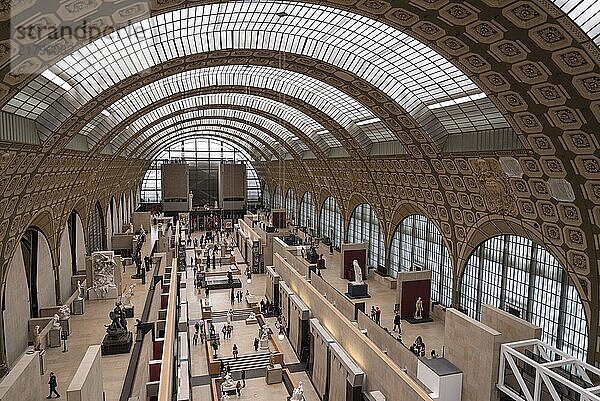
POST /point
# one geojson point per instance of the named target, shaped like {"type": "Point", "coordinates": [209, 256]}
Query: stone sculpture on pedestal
{"type": "Point", "coordinates": [37, 341]}
{"type": "Point", "coordinates": [118, 339]}
{"type": "Point", "coordinates": [358, 278]}
{"type": "Point", "coordinates": [298, 394]}
{"type": "Point", "coordinates": [419, 308]}
{"type": "Point", "coordinates": [81, 290]}
{"type": "Point", "coordinates": [103, 275]}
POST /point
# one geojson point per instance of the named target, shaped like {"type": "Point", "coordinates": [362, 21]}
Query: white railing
{"type": "Point", "coordinates": [513, 361]}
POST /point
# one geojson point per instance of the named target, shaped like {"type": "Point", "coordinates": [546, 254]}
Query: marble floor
{"type": "Point", "coordinates": [88, 329]}
{"type": "Point", "coordinates": [243, 335]}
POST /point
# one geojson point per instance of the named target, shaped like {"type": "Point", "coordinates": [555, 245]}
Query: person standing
{"type": "Point", "coordinates": [238, 388]}
{"type": "Point", "coordinates": [196, 337]}
{"type": "Point", "coordinates": [377, 315]}
{"type": "Point", "coordinates": [235, 352]}
{"type": "Point", "coordinates": [244, 377]}
{"type": "Point", "coordinates": [373, 313]}
{"type": "Point", "coordinates": [255, 344]}
{"type": "Point", "coordinates": [53, 385]}
{"type": "Point", "coordinates": [397, 322]}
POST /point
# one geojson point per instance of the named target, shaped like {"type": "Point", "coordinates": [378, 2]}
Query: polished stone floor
{"type": "Point", "coordinates": [88, 329]}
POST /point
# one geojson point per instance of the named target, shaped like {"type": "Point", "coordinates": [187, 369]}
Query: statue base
{"type": "Point", "coordinates": [358, 290]}
{"type": "Point", "coordinates": [121, 345]}
{"type": "Point", "coordinates": [128, 311]}
{"type": "Point", "coordinates": [412, 320]}
{"type": "Point", "coordinates": [274, 374]}
{"type": "Point", "coordinates": [264, 344]}
{"type": "Point", "coordinates": [77, 307]}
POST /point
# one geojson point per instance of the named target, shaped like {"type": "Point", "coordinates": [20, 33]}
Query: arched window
{"type": "Point", "coordinates": [418, 244]}
{"type": "Point", "coordinates": [290, 206]}
{"type": "Point", "coordinates": [332, 224]}
{"type": "Point", "coordinates": [266, 197]}
{"type": "Point", "coordinates": [308, 213]}
{"type": "Point", "coordinates": [277, 198]}
{"type": "Point", "coordinates": [521, 277]}
{"type": "Point", "coordinates": [96, 231]}
{"type": "Point", "coordinates": [364, 227]}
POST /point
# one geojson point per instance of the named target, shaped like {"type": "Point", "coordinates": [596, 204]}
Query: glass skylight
{"type": "Point", "coordinates": [585, 13]}
{"type": "Point", "coordinates": [184, 109]}
{"type": "Point", "coordinates": [246, 133]}
{"type": "Point", "coordinates": [404, 68]}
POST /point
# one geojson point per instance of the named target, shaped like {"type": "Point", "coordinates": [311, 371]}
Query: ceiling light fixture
{"type": "Point", "coordinates": [460, 100]}
{"type": "Point", "coordinates": [52, 77]}
{"type": "Point", "coordinates": [369, 121]}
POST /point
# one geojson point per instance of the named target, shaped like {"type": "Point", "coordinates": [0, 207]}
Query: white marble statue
{"type": "Point", "coordinates": [127, 295]}
{"type": "Point", "coordinates": [37, 340]}
{"type": "Point", "coordinates": [55, 323]}
{"type": "Point", "coordinates": [358, 278]}
{"type": "Point", "coordinates": [228, 383]}
{"type": "Point", "coordinates": [103, 267]}
{"type": "Point", "coordinates": [225, 397]}
{"type": "Point", "coordinates": [131, 230]}
{"type": "Point", "coordinates": [298, 394]}
{"type": "Point", "coordinates": [419, 308]}
{"type": "Point", "coordinates": [142, 231]}
{"type": "Point", "coordinates": [64, 312]}
{"type": "Point", "coordinates": [80, 289]}
{"type": "Point", "coordinates": [252, 316]}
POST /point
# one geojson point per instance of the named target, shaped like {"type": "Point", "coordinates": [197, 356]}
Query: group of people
{"type": "Point", "coordinates": [376, 314]}
{"type": "Point", "coordinates": [199, 331]}
{"type": "Point", "coordinates": [266, 307]}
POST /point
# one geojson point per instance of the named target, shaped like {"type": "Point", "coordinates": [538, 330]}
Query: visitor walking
{"type": "Point", "coordinates": [373, 313]}
{"type": "Point", "coordinates": [53, 385]}
{"type": "Point", "coordinates": [235, 352]}
{"type": "Point", "coordinates": [397, 323]}
{"type": "Point", "coordinates": [255, 344]}
{"type": "Point", "coordinates": [243, 378]}
{"type": "Point", "coordinates": [238, 388]}
{"type": "Point", "coordinates": [378, 315]}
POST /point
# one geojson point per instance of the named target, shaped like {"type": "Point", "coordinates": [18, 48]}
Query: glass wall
{"type": "Point", "coordinates": [277, 198]}
{"type": "Point", "coordinates": [364, 227]}
{"type": "Point", "coordinates": [203, 156]}
{"type": "Point", "coordinates": [521, 277]}
{"type": "Point", "coordinates": [417, 242]}
{"type": "Point", "coordinates": [332, 223]}
{"type": "Point", "coordinates": [308, 213]}
{"type": "Point", "coordinates": [290, 206]}
{"type": "Point", "coordinates": [266, 197]}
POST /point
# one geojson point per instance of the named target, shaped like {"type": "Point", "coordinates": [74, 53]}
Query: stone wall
{"type": "Point", "coordinates": [474, 348]}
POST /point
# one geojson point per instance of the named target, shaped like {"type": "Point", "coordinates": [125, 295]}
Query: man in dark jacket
{"type": "Point", "coordinates": [52, 383]}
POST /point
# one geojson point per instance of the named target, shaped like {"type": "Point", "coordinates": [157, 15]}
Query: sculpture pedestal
{"type": "Point", "coordinates": [264, 344]}
{"type": "Point", "coordinates": [121, 345]}
{"type": "Point", "coordinates": [251, 321]}
{"type": "Point", "coordinates": [128, 311]}
{"type": "Point", "coordinates": [54, 337]}
{"type": "Point", "coordinates": [65, 325]}
{"type": "Point", "coordinates": [274, 374]}
{"type": "Point", "coordinates": [77, 307]}
{"type": "Point", "coordinates": [358, 290]}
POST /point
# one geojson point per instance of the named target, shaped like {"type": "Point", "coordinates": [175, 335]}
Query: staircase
{"type": "Point", "coordinates": [238, 314]}
{"type": "Point", "coordinates": [258, 360]}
